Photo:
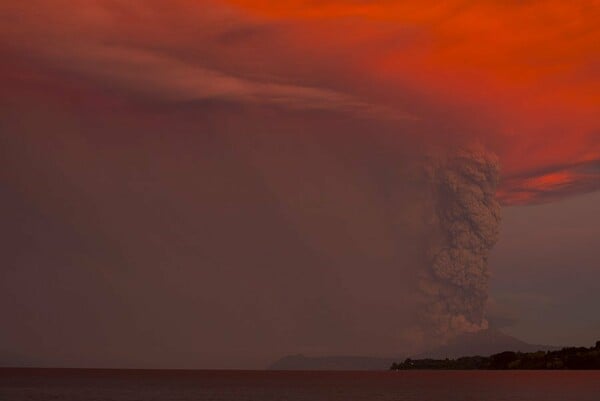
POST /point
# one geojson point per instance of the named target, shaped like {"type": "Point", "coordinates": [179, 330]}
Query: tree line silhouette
{"type": "Point", "coordinates": [566, 358]}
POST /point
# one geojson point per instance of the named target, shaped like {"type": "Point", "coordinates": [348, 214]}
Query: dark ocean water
{"type": "Point", "coordinates": [120, 385]}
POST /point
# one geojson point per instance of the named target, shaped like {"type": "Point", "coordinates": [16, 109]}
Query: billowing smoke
{"type": "Point", "coordinates": [464, 227]}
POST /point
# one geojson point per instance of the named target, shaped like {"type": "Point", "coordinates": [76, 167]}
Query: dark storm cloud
{"type": "Point", "coordinates": [200, 236]}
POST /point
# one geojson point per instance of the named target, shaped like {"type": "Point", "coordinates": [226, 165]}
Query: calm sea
{"type": "Point", "coordinates": [121, 385]}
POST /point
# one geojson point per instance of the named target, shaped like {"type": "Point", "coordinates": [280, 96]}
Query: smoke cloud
{"type": "Point", "coordinates": [464, 227]}
{"type": "Point", "coordinates": [224, 183]}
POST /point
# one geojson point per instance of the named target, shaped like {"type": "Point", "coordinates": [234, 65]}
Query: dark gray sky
{"type": "Point", "coordinates": [545, 271]}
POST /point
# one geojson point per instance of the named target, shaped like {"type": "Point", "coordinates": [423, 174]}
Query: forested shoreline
{"type": "Point", "coordinates": [566, 358]}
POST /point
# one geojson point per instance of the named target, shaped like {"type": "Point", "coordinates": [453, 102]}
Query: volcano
{"type": "Point", "coordinates": [484, 343]}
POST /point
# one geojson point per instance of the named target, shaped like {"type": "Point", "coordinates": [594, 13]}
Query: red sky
{"type": "Point", "coordinates": [526, 75]}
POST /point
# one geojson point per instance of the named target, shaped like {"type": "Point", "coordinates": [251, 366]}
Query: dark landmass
{"type": "Point", "coordinates": [483, 343]}
{"type": "Point", "coordinates": [301, 362]}
{"type": "Point", "coordinates": [566, 358]}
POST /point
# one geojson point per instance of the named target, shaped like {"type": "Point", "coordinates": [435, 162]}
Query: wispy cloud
{"type": "Point", "coordinates": [152, 73]}
{"type": "Point", "coordinates": [551, 183]}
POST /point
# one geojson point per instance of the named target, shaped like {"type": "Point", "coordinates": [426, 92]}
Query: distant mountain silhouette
{"type": "Point", "coordinates": [301, 362]}
{"type": "Point", "coordinates": [483, 343]}
{"type": "Point", "coordinates": [13, 359]}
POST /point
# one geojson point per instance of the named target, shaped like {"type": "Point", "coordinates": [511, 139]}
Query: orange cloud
{"type": "Point", "coordinates": [532, 67]}
{"type": "Point", "coordinates": [544, 186]}
{"type": "Point", "coordinates": [523, 76]}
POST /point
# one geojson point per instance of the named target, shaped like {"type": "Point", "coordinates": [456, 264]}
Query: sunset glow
{"type": "Point", "coordinates": [527, 74]}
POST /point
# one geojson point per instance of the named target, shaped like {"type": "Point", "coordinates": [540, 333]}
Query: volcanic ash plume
{"type": "Point", "coordinates": [465, 225]}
